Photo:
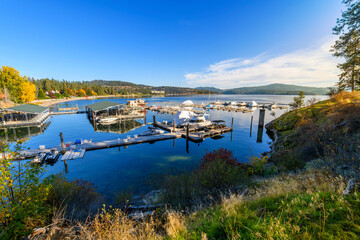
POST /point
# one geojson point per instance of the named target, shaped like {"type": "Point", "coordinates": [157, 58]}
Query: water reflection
{"type": "Point", "coordinates": [22, 133]}
{"type": "Point", "coordinates": [121, 126]}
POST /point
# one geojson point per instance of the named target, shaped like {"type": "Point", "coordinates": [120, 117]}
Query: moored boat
{"type": "Point", "coordinates": [252, 104]}
{"type": "Point", "coordinates": [152, 131]}
{"type": "Point", "coordinates": [107, 120]}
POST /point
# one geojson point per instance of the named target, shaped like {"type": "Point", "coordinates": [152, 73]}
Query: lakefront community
{"type": "Point", "coordinates": [262, 147]}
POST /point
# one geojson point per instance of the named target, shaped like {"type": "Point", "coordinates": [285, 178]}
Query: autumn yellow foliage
{"type": "Point", "coordinates": [81, 93]}
{"type": "Point", "coordinates": [19, 87]}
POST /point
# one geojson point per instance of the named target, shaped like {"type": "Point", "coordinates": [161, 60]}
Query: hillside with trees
{"type": "Point", "coordinates": [275, 88]}
{"type": "Point", "coordinates": [56, 88]}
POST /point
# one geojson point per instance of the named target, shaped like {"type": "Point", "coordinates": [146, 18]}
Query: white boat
{"type": "Point", "coordinates": [39, 158]}
{"type": "Point", "coordinates": [252, 104]}
{"type": "Point", "coordinates": [242, 104]}
{"type": "Point", "coordinates": [107, 120]}
{"type": "Point", "coordinates": [183, 116]}
{"type": "Point", "coordinates": [197, 121]}
{"type": "Point", "coordinates": [218, 102]}
{"type": "Point", "coordinates": [36, 160]}
{"type": "Point", "coordinates": [152, 131]}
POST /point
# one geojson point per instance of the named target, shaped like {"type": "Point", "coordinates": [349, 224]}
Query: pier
{"type": "Point", "coordinates": [194, 135]}
{"type": "Point", "coordinates": [102, 144]}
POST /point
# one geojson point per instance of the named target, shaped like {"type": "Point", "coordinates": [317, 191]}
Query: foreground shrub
{"type": "Point", "coordinates": [23, 197]}
{"type": "Point", "coordinates": [218, 171]}
{"type": "Point", "coordinates": [78, 197]}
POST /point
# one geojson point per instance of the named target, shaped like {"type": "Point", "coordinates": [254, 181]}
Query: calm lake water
{"type": "Point", "coordinates": [119, 169]}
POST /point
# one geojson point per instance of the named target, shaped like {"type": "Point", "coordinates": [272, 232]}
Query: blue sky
{"type": "Point", "coordinates": [180, 43]}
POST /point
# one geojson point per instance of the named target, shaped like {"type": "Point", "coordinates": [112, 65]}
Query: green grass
{"type": "Point", "coordinates": [289, 216]}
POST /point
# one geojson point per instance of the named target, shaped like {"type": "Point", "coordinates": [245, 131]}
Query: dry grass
{"type": "Point", "coordinates": [175, 225]}
{"type": "Point", "coordinates": [305, 182]}
{"type": "Point", "coordinates": [116, 225]}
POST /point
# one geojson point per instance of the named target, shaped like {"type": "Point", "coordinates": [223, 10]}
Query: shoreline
{"type": "Point", "coordinates": [49, 102]}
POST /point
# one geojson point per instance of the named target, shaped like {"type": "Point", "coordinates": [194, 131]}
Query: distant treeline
{"type": "Point", "coordinates": [21, 89]}
{"type": "Point", "coordinates": [56, 88]}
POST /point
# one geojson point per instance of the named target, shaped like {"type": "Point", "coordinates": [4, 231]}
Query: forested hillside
{"type": "Point", "coordinates": [63, 88]}
{"type": "Point", "coordinates": [275, 88]}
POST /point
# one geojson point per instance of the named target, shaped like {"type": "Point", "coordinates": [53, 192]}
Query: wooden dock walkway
{"type": "Point", "coordinates": [67, 112]}
{"type": "Point", "coordinates": [104, 144]}
{"type": "Point", "coordinates": [197, 136]}
{"type": "Point", "coordinates": [194, 135]}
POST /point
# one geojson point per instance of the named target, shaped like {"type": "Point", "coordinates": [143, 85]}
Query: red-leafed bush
{"type": "Point", "coordinates": [223, 155]}
{"type": "Point", "coordinates": [218, 172]}
{"type": "Point", "coordinates": [219, 169]}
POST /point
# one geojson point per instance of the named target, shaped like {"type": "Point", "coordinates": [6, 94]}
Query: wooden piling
{"type": "Point", "coordinates": [261, 117]}
{"type": "Point", "coordinates": [174, 125]}
{"type": "Point", "coordinates": [62, 142]}
{"type": "Point", "coordinates": [154, 120]}
{"type": "Point", "coordinates": [187, 138]}
{"type": "Point", "coordinates": [66, 166]}
{"type": "Point", "coordinates": [251, 122]}
{"type": "Point", "coordinates": [145, 116]}
{"type": "Point", "coordinates": [260, 134]}
{"type": "Point", "coordinates": [232, 123]}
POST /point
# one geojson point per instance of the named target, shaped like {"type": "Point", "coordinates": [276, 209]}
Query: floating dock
{"type": "Point", "coordinates": [101, 144]}
{"type": "Point", "coordinates": [194, 135]}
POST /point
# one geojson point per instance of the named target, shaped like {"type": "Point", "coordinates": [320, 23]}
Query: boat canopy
{"type": "Point", "coordinates": [183, 116]}
{"type": "Point", "coordinates": [188, 102]}
{"type": "Point", "coordinates": [99, 106]}
{"type": "Point", "coordinates": [28, 108]}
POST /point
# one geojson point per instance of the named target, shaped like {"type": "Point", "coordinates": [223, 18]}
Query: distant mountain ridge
{"type": "Point", "coordinates": [275, 88]}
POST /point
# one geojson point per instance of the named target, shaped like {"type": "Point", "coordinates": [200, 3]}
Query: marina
{"type": "Point", "coordinates": [189, 123]}
{"type": "Point", "coordinates": [110, 159]}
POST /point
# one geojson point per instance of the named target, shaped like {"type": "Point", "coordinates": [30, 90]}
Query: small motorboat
{"type": "Point", "coordinates": [152, 131]}
{"type": "Point", "coordinates": [52, 156]}
{"type": "Point", "coordinates": [197, 121]}
{"type": "Point", "coordinates": [227, 103]}
{"type": "Point", "coordinates": [105, 121]}
{"type": "Point", "coordinates": [39, 158]}
{"type": "Point", "coordinates": [242, 104]}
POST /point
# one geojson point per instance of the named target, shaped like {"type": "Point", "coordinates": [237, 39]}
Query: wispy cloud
{"type": "Point", "coordinates": [313, 66]}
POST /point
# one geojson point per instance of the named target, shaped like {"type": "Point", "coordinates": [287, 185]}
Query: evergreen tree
{"type": "Point", "coordinates": [41, 94]}
{"type": "Point", "coordinates": [298, 101]}
{"type": "Point", "coordinates": [348, 45]}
